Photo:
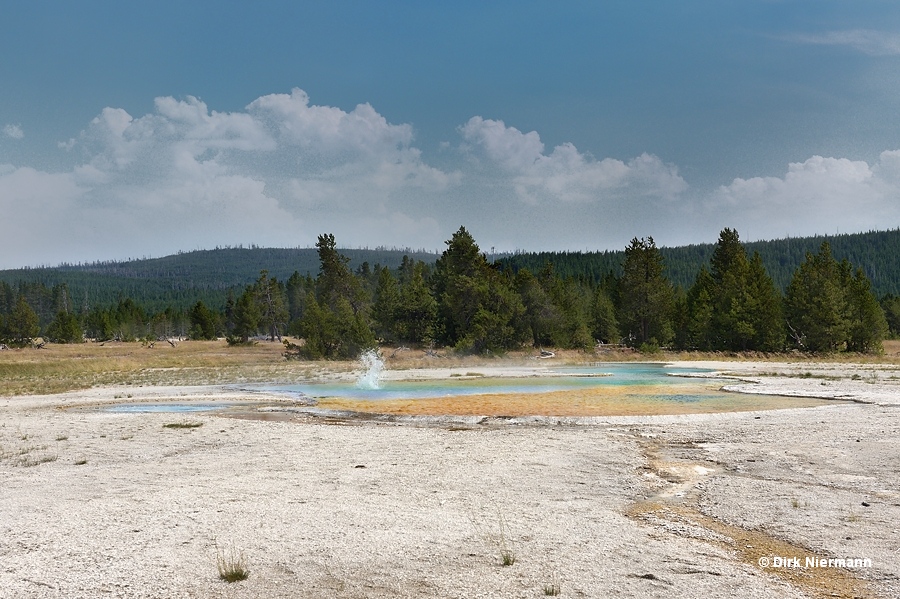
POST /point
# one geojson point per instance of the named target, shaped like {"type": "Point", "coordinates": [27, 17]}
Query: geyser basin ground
{"type": "Point", "coordinates": [132, 508]}
{"type": "Point", "coordinates": [599, 390]}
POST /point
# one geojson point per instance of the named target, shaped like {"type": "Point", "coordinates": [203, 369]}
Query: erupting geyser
{"type": "Point", "coordinates": [374, 366]}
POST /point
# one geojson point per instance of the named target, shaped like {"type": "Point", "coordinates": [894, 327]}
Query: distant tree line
{"type": "Point", "coordinates": [463, 301]}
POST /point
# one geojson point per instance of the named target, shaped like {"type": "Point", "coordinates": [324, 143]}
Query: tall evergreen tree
{"type": "Point", "coordinates": [645, 295]}
{"type": "Point", "coordinates": [385, 306]}
{"type": "Point", "coordinates": [697, 327]}
{"type": "Point", "coordinates": [203, 321]}
{"type": "Point", "coordinates": [764, 309]}
{"type": "Point", "coordinates": [295, 294]}
{"type": "Point", "coordinates": [22, 324]}
{"type": "Point", "coordinates": [540, 313]}
{"type": "Point", "coordinates": [734, 305]}
{"type": "Point", "coordinates": [416, 309]}
{"type": "Point", "coordinates": [604, 326]}
{"type": "Point", "coordinates": [816, 303]}
{"type": "Point", "coordinates": [477, 308]}
{"type": "Point", "coordinates": [335, 280]}
{"type": "Point", "coordinates": [246, 316]}
{"type": "Point", "coordinates": [868, 325]}
{"type": "Point", "coordinates": [572, 305]}
{"type": "Point", "coordinates": [338, 325]}
{"type": "Point", "coordinates": [65, 328]}
{"type": "Point", "coordinates": [273, 313]}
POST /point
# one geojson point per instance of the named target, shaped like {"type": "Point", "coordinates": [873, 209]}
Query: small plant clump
{"type": "Point", "coordinates": [507, 557]}
{"type": "Point", "coordinates": [232, 565]}
{"type": "Point", "coordinates": [554, 587]}
{"type": "Point", "coordinates": [183, 425]}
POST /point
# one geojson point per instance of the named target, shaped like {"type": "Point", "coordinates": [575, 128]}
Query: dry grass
{"type": "Point", "coordinates": [232, 565]}
{"type": "Point", "coordinates": [27, 456]}
{"type": "Point", "coordinates": [60, 368]}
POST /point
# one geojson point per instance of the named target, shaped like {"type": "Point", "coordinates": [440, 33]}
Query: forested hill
{"type": "Point", "coordinates": [876, 252]}
{"type": "Point", "coordinates": [182, 279]}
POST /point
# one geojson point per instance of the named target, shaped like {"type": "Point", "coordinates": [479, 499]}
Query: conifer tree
{"type": "Point", "coordinates": [868, 325]}
{"type": "Point", "coordinates": [273, 313]}
{"type": "Point", "coordinates": [478, 310]}
{"type": "Point", "coordinates": [604, 326]}
{"type": "Point", "coordinates": [734, 305]}
{"type": "Point", "coordinates": [416, 308]}
{"type": "Point", "coordinates": [65, 328]}
{"type": "Point", "coordinates": [386, 306]}
{"type": "Point", "coordinates": [645, 295]}
{"type": "Point", "coordinates": [22, 324]}
{"type": "Point", "coordinates": [203, 322]}
{"type": "Point", "coordinates": [816, 303]}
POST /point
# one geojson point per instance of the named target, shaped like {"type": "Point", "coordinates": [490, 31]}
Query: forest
{"type": "Point", "coordinates": [722, 297]}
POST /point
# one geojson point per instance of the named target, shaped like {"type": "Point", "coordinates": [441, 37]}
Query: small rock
{"type": "Point", "coordinates": [865, 504]}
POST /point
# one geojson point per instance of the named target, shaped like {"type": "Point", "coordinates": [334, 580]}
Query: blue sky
{"type": "Point", "coordinates": [129, 131]}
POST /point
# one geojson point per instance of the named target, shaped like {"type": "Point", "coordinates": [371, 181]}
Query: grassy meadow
{"type": "Point", "coordinates": [68, 367]}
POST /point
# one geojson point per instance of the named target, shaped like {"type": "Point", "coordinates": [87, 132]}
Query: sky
{"type": "Point", "coordinates": [132, 130]}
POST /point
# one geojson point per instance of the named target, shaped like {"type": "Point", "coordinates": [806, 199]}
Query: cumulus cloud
{"type": "Point", "coordinates": [284, 170]}
{"type": "Point", "coordinates": [13, 131]}
{"type": "Point", "coordinates": [867, 41]}
{"type": "Point", "coordinates": [186, 176]}
{"type": "Point", "coordinates": [815, 196]}
{"type": "Point", "coordinates": [565, 174]}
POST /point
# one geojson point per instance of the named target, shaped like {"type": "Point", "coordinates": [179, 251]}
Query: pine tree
{"type": "Point", "coordinates": [604, 326]}
{"type": "Point", "coordinates": [541, 315]}
{"type": "Point", "coordinates": [246, 316]}
{"type": "Point", "coordinates": [764, 308]}
{"type": "Point", "coordinates": [868, 325]}
{"type": "Point", "coordinates": [699, 305]}
{"type": "Point", "coordinates": [203, 322]}
{"type": "Point", "coordinates": [816, 303]}
{"type": "Point", "coordinates": [478, 310]}
{"type": "Point", "coordinates": [22, 324]}
{"type": "Point", "coordinates": [386, 305]}
{"type": "Point", "coordinates": [65, 328]}
{"type": "Point", "coordinates": [645, 295]}
{"type": "Point", "coordinates": [416, 308]}
{"type": "Point", "coordinates": [273, 313]}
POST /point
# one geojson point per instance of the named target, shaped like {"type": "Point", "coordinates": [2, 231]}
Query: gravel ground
{"type": "Point", "coordinates": [103, 504]}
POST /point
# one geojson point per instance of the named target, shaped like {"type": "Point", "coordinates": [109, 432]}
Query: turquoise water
{"type": "Point", "coordinates": [559, 379]}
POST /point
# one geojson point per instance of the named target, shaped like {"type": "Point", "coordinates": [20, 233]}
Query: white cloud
{"type": "Point", "coordinates": [185, 176]}
{"type": "Point", "coordinates": [867, 41]}
{"type": "Point", "coordinates": [282, 171]}
{"type": "Point", "coordinates": [329, 130]}
{"type": "Point", "coordinates": [565, 174]}
{"type": "Point", "coordinates": [816, 196]}
{"type": "Point", "coordinates": [13, 131]}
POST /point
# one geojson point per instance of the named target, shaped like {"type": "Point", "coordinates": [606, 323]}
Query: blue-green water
{"type": "Point", "coordinates": [556, 379]}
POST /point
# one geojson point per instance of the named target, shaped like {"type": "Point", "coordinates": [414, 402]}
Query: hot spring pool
{"type": "Point", "coordinates": [605, 389]}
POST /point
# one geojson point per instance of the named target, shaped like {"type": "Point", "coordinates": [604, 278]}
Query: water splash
{"type": "Point", "coordinates": [374, 366]}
